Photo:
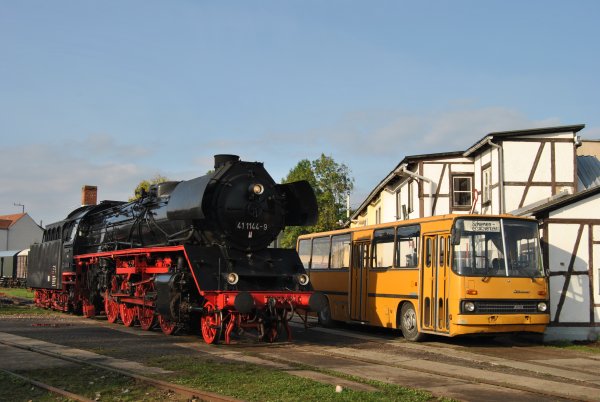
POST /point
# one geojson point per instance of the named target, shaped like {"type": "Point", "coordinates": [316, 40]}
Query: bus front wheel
{"type": "Point", "coordinates": [408, 323]}
{"type": "Point", "coordinates": [324, 316]}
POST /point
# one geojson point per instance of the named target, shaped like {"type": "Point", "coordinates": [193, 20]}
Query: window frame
{"type": "Point", "coordinates": [486, 188]}
{"type": "Point", "coordinates": [454, 176]}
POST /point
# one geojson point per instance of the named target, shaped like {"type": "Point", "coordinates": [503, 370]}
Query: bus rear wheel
{"type": "Point", "coordinates": [408, 323]}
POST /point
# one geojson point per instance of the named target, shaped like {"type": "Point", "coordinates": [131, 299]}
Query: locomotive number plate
{"type": "Point", "coordinates": [252, 226]}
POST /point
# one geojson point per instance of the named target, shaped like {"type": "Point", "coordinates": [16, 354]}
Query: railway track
{"type": "Point", "coordinates": [184, 393]}
{"type": "Point", "coordinates": [466, 370]}
{"type": "Point", "coordinates": [528, 371]}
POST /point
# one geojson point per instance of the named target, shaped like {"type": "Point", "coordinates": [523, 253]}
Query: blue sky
{"type": "Point", "coordinates": [111, 92]}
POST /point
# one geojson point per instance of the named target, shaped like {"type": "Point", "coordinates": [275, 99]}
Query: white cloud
{"type": "Point", "coordinates": [48, 177]}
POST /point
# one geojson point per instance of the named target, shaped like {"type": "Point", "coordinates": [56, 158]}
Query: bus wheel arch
{"type": "Point", "coordinates": [407, 322]}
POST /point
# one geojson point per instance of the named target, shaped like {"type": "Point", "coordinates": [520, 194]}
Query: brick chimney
{"type": "Point", "coordinates": [89, 195]}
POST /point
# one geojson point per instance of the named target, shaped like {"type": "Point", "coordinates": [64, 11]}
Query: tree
{"type": "Point", "coordinates": [332, 183]}
{"type": "Point", "coordinates": [144, 186]}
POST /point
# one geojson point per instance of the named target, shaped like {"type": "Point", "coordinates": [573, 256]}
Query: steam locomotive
{"type": "Point", "coordinates": [184, 253]}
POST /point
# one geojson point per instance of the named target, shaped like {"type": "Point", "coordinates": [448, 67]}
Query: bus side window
{"type": "Point", "coordinates": [304, 252]}
{"type": "Point", "coordinates": [340, 251]}
{"type": "Point", "coordinates": [383, 248]}
{"type": "Point", "coordinates": [407, 246]}
{"type": "Point", "coordinates": [320, 253]}
{"type": "Point", "coordinates": [442, 249]}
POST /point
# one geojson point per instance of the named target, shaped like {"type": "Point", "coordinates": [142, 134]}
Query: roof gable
{"type": "Point", "coordinates": [7, 221]}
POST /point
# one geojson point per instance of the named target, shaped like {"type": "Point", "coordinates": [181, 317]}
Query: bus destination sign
{"type": "Point", "coordinates": [482, 226]}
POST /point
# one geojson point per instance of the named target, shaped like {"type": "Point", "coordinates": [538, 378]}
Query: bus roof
{"type": "Point", "coordinates": [429, 219]}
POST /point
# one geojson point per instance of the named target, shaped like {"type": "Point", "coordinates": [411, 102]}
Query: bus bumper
{"type": "Point", "coordinates": [465, 324]}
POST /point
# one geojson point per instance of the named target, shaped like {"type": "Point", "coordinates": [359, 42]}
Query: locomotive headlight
{"type": "Point", "coordinates": [232, 278]}
{"type": "Point", "coordinates": [257, 189]}
{"type": "Point", "coordinates": [542, 307]}
{"type": "Point", "coordinates": [469, 306]}
{"type": "Point", "coordinates": [302, 279]}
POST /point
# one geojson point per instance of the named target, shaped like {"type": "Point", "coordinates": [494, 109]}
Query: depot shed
{"type": "Point", "coordinates": [8, 263]}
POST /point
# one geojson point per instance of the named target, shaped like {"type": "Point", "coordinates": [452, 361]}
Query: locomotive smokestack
{"type": "Point", "coordinates": [223, 159]}
{"type": "Point", "coordinates": [89, 195]}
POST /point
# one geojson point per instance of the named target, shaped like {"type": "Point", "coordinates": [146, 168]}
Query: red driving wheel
{"type": "Point", "coordinates": [212, 324]}
{"type": "Point", "coordinates": [145, 314]}
{"type": "Point", "coordinates": [167, 326]}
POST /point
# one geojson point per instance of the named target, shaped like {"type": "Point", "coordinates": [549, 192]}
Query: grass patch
{"type": "Point", "coordinates": [257, 383]}
{"type": "Point", "coordinates": [17, 292]}
{"type": "Point", "coordinates": [16, 310]}
{"type": "Point", "coordinates": [17, 390]}
{"type": "Point", "coordinates": [580, 346]}
{"type": "Point", "coordinates": [91, 382]}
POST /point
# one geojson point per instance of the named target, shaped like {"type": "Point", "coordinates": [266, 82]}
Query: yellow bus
{"type": "Point", "coordinates": [446, 275]}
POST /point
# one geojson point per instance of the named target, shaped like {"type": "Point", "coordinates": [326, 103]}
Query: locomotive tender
{"type": "Point", "coordinates": [185, 251]}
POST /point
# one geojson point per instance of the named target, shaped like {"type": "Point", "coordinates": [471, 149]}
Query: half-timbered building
{"type": "Point", "coordinates": [536, 172]}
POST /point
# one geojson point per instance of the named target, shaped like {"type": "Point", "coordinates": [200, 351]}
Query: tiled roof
{"type": "Point", "coordinates": [7, 221]}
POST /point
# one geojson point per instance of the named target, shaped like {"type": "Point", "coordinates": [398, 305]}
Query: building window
{"type": "Point", "coordinates": [378, 215]}
{"type": "Point", "coordinates": [486, 185]}
{"type": "Point", "coordinates": [462, 191]}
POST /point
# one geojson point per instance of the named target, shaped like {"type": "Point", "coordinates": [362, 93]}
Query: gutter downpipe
{"type": "Point", "coordinates": [501, 172]}
{"type": "Point", "coordinates": [402, 169]}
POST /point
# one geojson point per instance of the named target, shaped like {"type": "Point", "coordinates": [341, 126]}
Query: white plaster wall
{"type": "Point", "coordinates": [3, 237]}
{"type": "Point", "coordinates": [564, 157]}
{"type": "Point", "coordinates": [583, 209]}
{"type": "Point", "coordinates": [518, 160]}
{"type": "Point", "coordinates": [544, 169]}
{"type": "Point", "coordinates": [576, 306]}
{"type": "Point", "coordinates": [561, 240]}
{"type": "Point", "coordinates": [596, 273]}
{"type": "Point", "coordinates": [535, 193]}
{"type": "Point", "coordinates": [23, 233]}
{"type": "Point", "coordinates": [512, 197]}
{"type": "Point", "coordinates": [462, 168]}
{"type": "Point", "coordinates": [388, 207]}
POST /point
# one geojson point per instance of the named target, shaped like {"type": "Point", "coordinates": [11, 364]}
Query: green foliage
{"type": "Point", "coordinates": [144, 186]}
{"type": "Point", "coordinates": [17, 292]}
{"type": "Point", "coordinates": [332, 183]}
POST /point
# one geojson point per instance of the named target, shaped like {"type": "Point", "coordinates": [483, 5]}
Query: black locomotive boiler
{"type": "Point", "coordinates": [184, 251]}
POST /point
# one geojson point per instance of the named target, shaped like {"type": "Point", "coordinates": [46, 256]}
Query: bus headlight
{"type": "Point", "coordinates": [302, 279]}
{"type": "Point", "coordinates": [542, 307]}
{"type": "Point", "coordinates": [469, 306]}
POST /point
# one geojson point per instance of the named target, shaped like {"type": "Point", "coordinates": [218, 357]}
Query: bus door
{"type": "Point", "coordinates": [427, 283]}
{"type": "Point", "coordinates": [434, 284]}
{"type": "Point", "coordinates": [358, 280]}
{"type": "Point", "coordinates": [441, 280]}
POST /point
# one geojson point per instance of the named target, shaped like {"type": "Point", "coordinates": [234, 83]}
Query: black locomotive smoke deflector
{"type": "Point", "coordinates": [186, 199]}
{"type": "Point", "coordinates": [301, 203]}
